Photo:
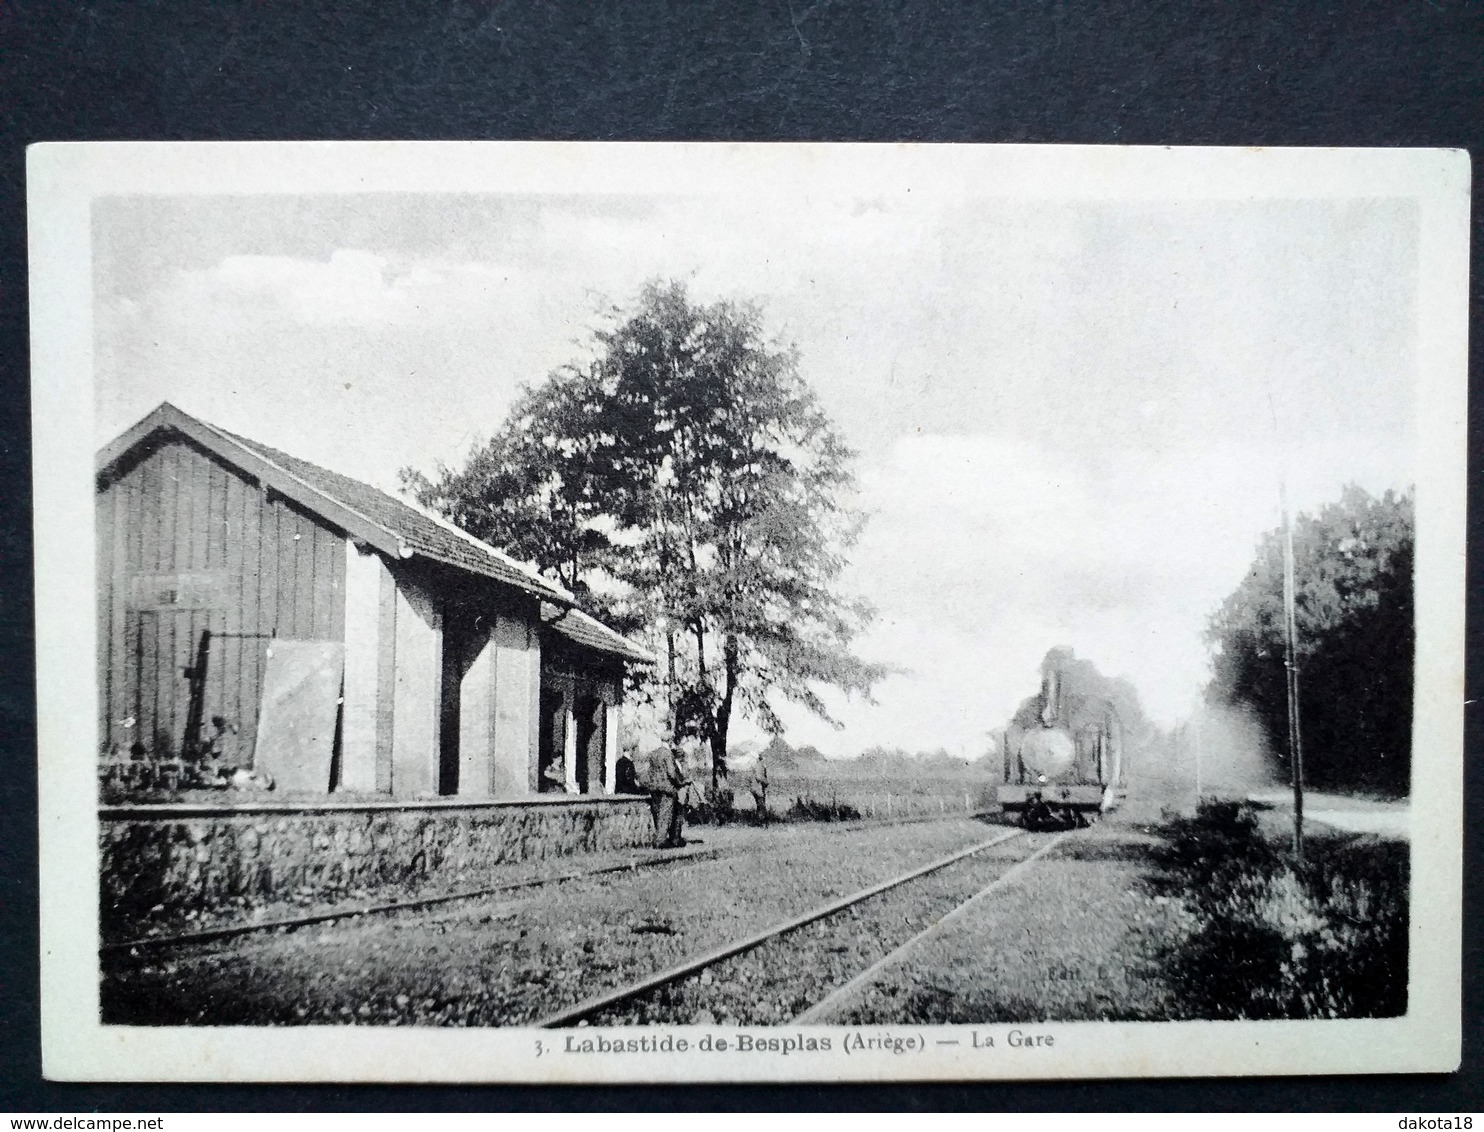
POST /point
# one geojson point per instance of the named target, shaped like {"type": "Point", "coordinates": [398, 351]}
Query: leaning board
{"type": "Point", "coordinates": [296, 724]}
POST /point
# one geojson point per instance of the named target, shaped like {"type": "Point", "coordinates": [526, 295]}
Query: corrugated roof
{"type": "Point", "coordinates": [588, 631]}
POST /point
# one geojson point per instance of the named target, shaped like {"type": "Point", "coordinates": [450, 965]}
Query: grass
{"type": "Point", "coordinates": [1257, 936]}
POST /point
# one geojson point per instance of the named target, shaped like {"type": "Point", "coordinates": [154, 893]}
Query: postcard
{"type": "Point", "coordinates": [566, 612]}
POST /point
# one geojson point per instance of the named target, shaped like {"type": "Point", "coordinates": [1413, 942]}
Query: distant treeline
{"type": "Point", "coordinates": [874, 762]}
{"type": "Point", "coordinates": [892, 763]}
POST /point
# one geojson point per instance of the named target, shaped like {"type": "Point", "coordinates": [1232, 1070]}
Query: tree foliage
{"type": "Point", "coordinates": [686, 485]}
{"type": "Point", "coordinates": [531, 490]}
{"type": "Point", "coordinates": [1353, 602]}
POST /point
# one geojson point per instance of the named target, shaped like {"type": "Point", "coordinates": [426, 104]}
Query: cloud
{"type": "Point", "coordinates": [355, 288]}
{"type": "Point", "coordinates": [982, 552]}
{"type": "Point", "coordinates": [351, 288]}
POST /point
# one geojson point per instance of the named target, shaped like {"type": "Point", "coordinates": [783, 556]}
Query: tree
{"type": "Point", "coordinates": [1353, 603]}
{"type": "Point", "coordinates": [529, 490]}
{"type": "Point", "coordinates": [686, 485]}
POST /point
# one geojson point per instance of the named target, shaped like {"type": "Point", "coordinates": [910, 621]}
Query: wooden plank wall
{"type": "Point", "coordinates": [274, 569]}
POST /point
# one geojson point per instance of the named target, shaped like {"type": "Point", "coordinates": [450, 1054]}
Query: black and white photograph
{"type": "Point", "coordinates": [567, 612]}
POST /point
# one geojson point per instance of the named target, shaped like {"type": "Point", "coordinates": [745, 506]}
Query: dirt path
{"type": "Point", "coordinates": [1074, 938]}
{"type": "Point", "coordinates": [1389, 820]}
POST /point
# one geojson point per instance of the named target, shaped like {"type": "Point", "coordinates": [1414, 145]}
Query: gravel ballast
{"type": "Point", "coordinates": [1076, 939]}
{"type": "Point", "coordinates": [783, 977]}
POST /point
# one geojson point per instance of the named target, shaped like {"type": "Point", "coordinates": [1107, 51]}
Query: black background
{"type": "Point", "coordinates": [1180, 72]}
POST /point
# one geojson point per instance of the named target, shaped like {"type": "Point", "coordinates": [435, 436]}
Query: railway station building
{"type": "Point", "coordinates": [260, 612]}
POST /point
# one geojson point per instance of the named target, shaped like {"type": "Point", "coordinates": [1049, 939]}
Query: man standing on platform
{"type": "Point", "coordinates": [669, 817]}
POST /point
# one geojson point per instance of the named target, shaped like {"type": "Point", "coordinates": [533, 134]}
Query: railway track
{"type": "Point", "coordinates": [532, 961]}
{"type": "Point", "coordinates": [594, 1007]}
{"type": "Point", "coordinates": [840, 995]}
{"type": "Point", "coordinates": [288, 923]}
{"type": "Point", "coordinates": [347, 912]}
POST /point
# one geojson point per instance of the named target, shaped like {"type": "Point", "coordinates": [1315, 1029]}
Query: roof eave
{"type": "Point", "coordinates": [614, 643]}
{"type": "Point", "coordinates": [556, 597]}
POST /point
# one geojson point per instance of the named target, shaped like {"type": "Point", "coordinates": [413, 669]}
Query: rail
{"type": "Point", "coordinates": [227, 931]}
{"type": "Point", "coordinates": [695, 963]}
{"type": "Point", "coordinates": [288, 923]}
{"type": "Point", "coordinates": [816, 1012]}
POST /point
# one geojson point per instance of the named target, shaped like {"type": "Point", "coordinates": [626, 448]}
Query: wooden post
{"type": "Point", "coordinates": [610, 736]}
{"type": "Point", "coordinates": [363, 709]}
{"type": "Point", "coordinates": [478, 692]}
{"type": "Point", "coordinates": [1198, 722]}
{"type": "Point", "coordinates": [517, 698]}
{"type": "Point", "coordinates": [419, 691]}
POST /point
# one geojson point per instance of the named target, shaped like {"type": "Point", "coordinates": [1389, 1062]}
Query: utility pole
{"type": "Point", "coordinates": [1290, 652]}
{"type": "Point", "coordinates": [1290, 664]}
{"type": "Point", "coordinates": [1198, 721]}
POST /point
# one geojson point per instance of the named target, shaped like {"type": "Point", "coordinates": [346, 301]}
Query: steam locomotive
{"type": "Point", "coordinates": [1063, 749]}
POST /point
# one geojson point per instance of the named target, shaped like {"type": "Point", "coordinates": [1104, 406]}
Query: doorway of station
{"type": "Point", "coordinates": [462, 640]}
{"type": "Point", "coordinates": [448, 722]}
{"type": "Point", "coordinates": [588, 711]}
{"type": "Point", "coordinates": [551, 770]}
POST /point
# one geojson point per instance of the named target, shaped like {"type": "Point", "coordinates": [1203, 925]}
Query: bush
{"type": "Point", "coordinates": [718, 808]}
{"type": "Point", "coordinates": [1261, 938]}
{"type": "Point", "coordinates": [807, 809]}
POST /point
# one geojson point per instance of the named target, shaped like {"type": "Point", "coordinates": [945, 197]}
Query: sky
{"type": "Point", "coordinates": [1070, 416]}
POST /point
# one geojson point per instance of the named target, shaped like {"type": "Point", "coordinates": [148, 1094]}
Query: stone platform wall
{"type": "Point", "coordinates": [163, 862]}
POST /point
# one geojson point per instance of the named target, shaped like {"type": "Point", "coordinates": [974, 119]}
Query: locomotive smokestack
{"type": "Point", "coordinates": [1050, 695]}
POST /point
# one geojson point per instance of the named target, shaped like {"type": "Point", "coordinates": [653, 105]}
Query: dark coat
{"type": "Point", "coordinates": [625, 780]}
